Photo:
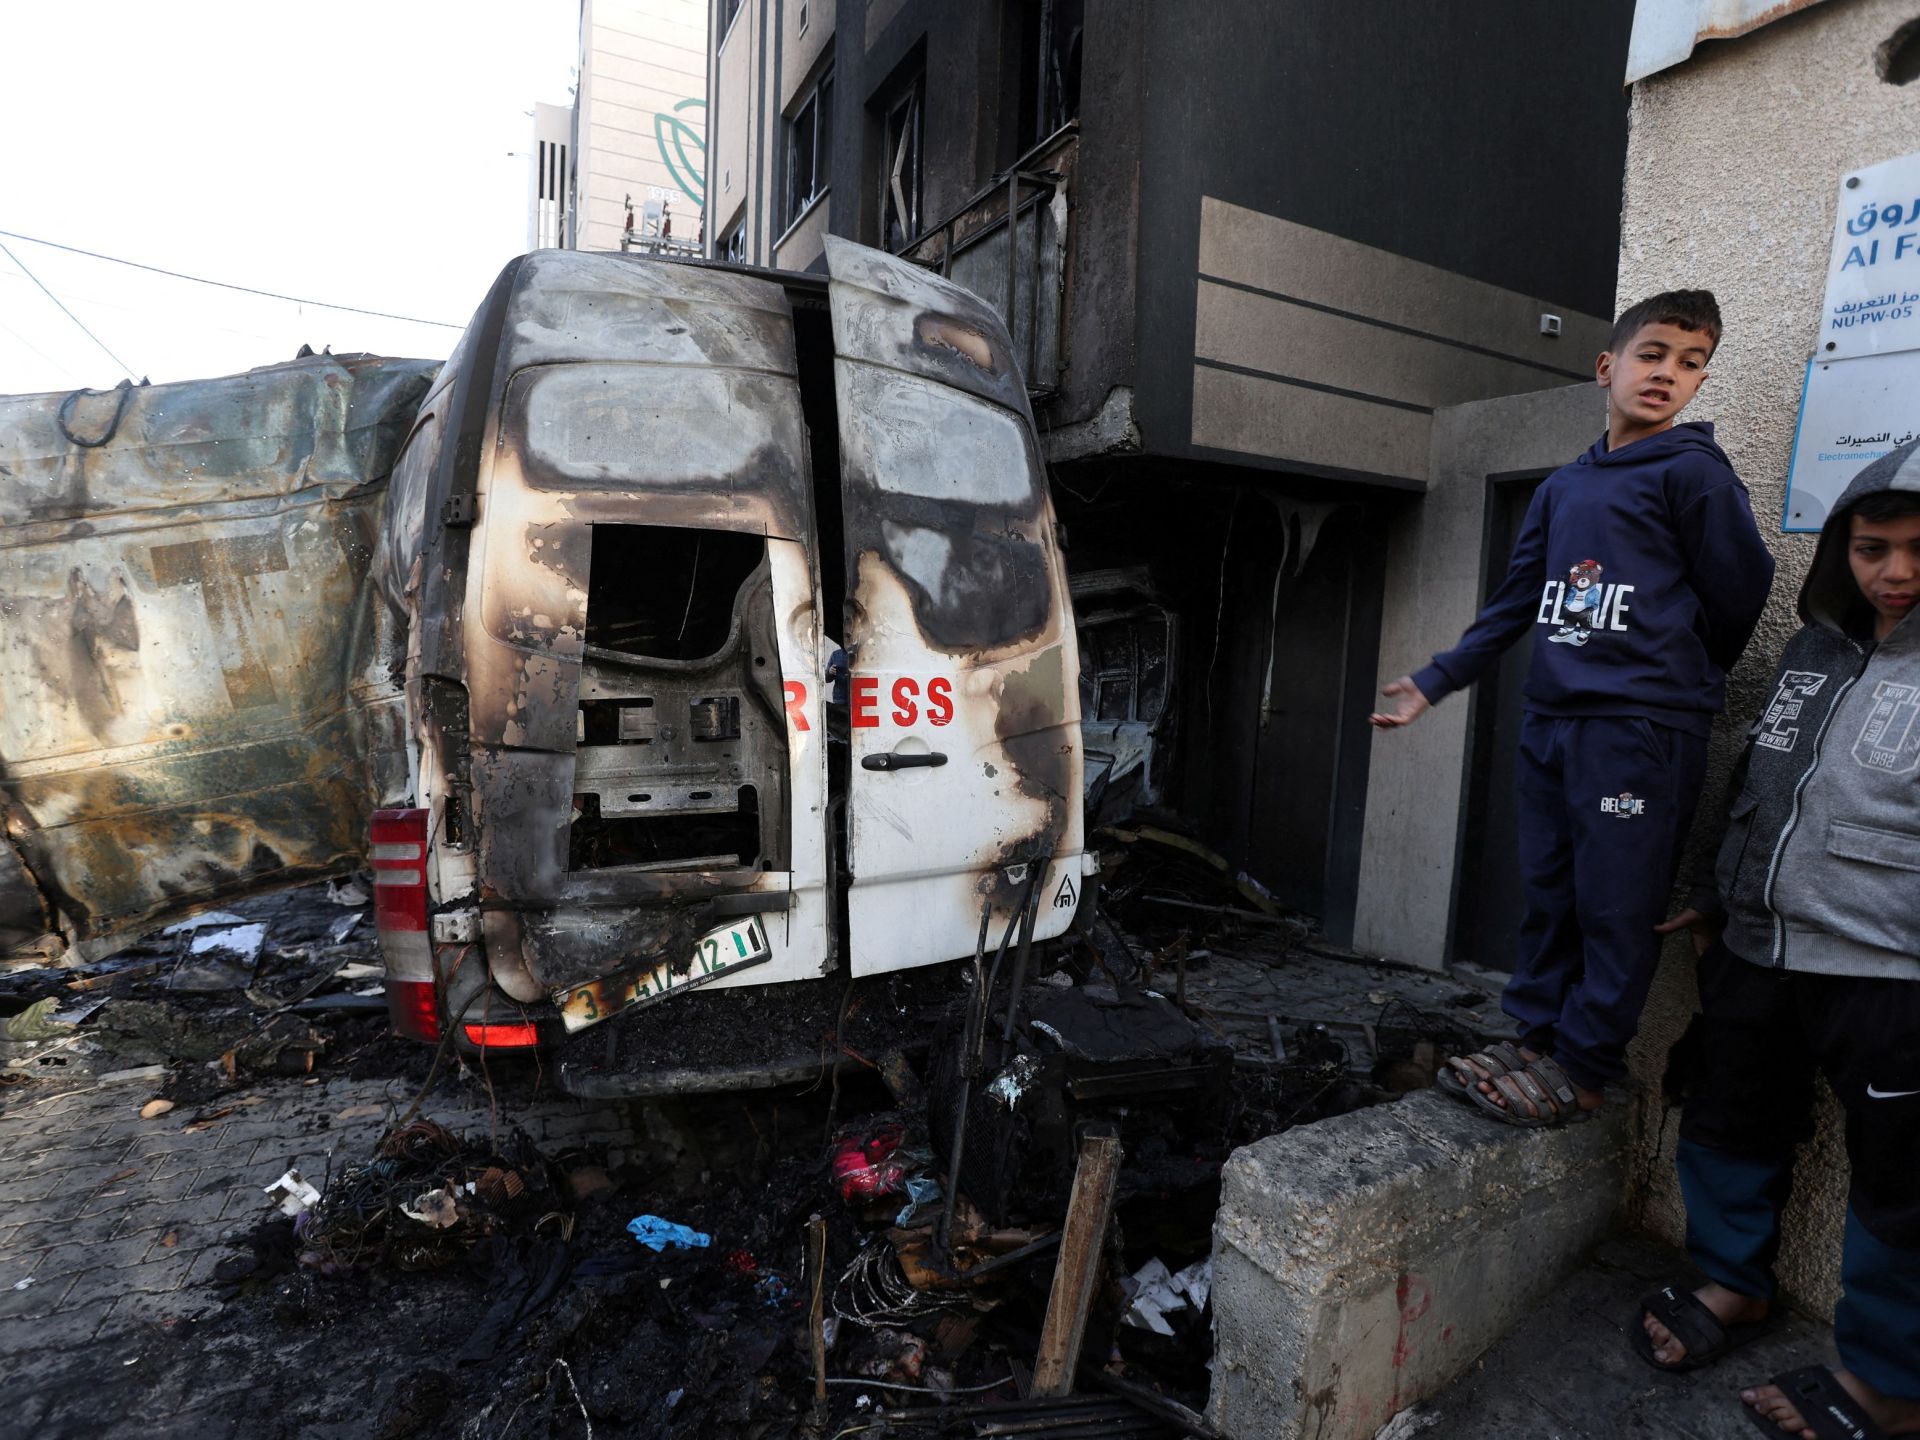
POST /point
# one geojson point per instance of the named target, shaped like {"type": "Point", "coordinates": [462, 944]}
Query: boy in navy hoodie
{"type": "Point", "coordinates": [1641, 565]}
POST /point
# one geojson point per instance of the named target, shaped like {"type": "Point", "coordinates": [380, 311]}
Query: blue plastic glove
{"type": "Point", "coordinates": [657, 1234]}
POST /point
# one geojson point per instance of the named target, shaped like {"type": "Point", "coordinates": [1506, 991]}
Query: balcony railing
{"type": "Point", "coordinates": [1018, 268]}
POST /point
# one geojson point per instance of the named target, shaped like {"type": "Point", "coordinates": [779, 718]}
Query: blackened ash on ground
{"type": "Point", "coordinates": [543, 1315]}
{"type": "Point", "coordinates": [1192, 1028]}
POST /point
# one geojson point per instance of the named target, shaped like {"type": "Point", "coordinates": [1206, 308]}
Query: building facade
{"type": "Point", "coordinates": [626, 167]}
{"type": "Point", "coordinates": [1747, 122]}
{"type": "Point", "coordinates": [1255, 251]}
{"type": "Point", "coordinates": [550, 179]}
{"type": "Point", "coordinates": [1736, 179]}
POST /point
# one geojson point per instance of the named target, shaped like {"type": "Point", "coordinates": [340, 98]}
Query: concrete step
{"type": "Point", "coordinates": [1362, 1262]}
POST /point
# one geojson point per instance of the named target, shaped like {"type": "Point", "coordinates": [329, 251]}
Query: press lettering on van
{"type": "Point", "coordinates": [906, 697]}
{"type": "Point", "coordinates": [796, 694]}
{"type": "Point", "coordinates": [909, 701]}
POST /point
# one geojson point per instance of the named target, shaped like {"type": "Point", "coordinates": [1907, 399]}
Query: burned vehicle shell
{"type": "Point", "coordinates": [953, 568]}
{"type": "Point", "coordinates": [727, 606]}
{"type": "Point", "coordinates": [611, 503]}
{"type": "Point", "coordinates": [196, 703]}
{"type": "Point", "coordinates": [611, 527]}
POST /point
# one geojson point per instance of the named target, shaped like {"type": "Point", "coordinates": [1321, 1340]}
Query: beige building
{"type": "Point", "coordinates": [1740, 145]}
{"type": "Point", "coordinates": [1737, 160]}
{"type": "Point", "coordinates": [772, 63]}
{"type": "Point", "coordinates": [640, 123]}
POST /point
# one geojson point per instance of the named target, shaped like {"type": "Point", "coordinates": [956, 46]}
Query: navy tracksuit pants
{"type": "Point", "coordinates": [1749, 1103]}
{"type": "Point", "coordinates": [1604, 804]}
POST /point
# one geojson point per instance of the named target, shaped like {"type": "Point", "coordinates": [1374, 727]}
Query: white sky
{"type": "Point", "coordinates": [355, 151]}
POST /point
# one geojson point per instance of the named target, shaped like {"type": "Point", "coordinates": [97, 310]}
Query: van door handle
{"type": "Point", "coordinates": [894, 760]}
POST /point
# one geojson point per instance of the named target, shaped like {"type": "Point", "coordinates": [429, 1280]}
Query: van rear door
{"type": "Point", "coordinates": [964, 703]}
{"type": "Point", "coordinates": [644, 589]}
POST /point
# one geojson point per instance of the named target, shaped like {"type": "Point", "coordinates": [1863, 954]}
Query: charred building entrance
{"type": "Point", "coordinates": [1229, 640]}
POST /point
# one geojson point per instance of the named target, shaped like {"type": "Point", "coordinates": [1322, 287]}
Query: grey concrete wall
{"type": "Point", "coordinates": [1434, 564]}
{"type": "Point", "coordinates": [1732, 167]}
{"type": "Point", "coordinates": [1318, 351]}
{"type": "Point", "coordinates": [1362, 1262]}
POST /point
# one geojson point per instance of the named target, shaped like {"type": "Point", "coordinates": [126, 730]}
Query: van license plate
{"type": "Point", "coordinates": [720, 952]}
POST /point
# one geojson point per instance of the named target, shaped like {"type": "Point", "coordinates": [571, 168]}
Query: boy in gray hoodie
{"type": "Point", "coordinates": [1810, 959]}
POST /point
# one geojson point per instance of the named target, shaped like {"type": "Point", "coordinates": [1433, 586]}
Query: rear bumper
{"type": "Point", "coordinates": [756, 1036]}
{"type": "Point", "coordinates": [713, 1040]}
{"type": "Point", "coordinates": [596, 1082]}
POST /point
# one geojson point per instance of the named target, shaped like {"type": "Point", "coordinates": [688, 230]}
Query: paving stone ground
{"type": "Point", "coordinates": [110, 1224]}
{"type": "Point", "coordinates": [1565, 1372]}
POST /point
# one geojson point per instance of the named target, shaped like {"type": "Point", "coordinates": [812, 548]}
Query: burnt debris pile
{"type": "Point", "coordinates": [288, 984]}
{"type": "Point", "coordinates": [986, 1211]}
{"type": "Point", "coordinates": [1315, 1029]}
{"type": "Point", "coordinates": [426, 1199]}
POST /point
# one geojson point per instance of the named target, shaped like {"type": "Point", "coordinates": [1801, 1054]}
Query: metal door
{"type": "Point", "coordinates": [964, 705]}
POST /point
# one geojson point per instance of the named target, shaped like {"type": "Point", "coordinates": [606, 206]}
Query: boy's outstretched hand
{"type": "Point", "coordinates": [1409, 705]}
{"type": "Point", "coordinates": [1706, 929]}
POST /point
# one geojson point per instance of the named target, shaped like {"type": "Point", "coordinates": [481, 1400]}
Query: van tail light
{"type": "Point", "coordinates": [399, 852]}
{"type": "Point", "coordinates": [414, 1009]}
{"type": "Point", "coordinates": [518, 1036]}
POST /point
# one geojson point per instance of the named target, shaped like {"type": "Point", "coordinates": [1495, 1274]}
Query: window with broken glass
{"type": "Point", "coordinates": [733, 246]}
{"type": "Point", "coordinates": [900, 162]}
{"type": "Point", "coordinates": [1042, 74]}
{"type": "Point", "coordinates": [809, 148]}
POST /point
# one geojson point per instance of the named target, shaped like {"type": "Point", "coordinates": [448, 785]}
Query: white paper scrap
{"type": "Point", "coordinates": [294, 1195]}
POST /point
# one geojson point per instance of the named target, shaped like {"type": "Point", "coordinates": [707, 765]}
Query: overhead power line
{"type": "Point", "coordinates": [33, 347]}
{"type": "Point", "coordinates": [63, 309]}
{"type": "Point", "coordinates": [219, 284]}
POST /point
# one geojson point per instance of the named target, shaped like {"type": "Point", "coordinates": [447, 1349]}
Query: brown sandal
{"type": "Point", "coordinates": [1464, 1073]}
{"type": "Point", "coordinates": [1540, 1083]}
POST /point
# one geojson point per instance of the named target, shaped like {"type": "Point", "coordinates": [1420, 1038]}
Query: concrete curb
{"type": "Point", "coordinates": [1362, 1262]}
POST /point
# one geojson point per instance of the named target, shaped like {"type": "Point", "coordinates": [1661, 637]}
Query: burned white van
{"type": "Point", "coordinates": [735, 644]}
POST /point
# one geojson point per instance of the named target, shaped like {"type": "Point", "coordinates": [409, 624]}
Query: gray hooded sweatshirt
{"type": "Point", "coordinates": [1819, 869]}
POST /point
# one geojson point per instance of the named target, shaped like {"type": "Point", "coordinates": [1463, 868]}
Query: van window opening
{"type": "Point", "coordinates": [666, 594]}
{"type": "Point", "coordinates": [680, 743]}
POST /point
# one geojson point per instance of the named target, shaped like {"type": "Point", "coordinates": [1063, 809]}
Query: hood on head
{"type": "Point", "coordinates": [1692, 435]}
{"type": "Point", "coordinates": [1829, 597]}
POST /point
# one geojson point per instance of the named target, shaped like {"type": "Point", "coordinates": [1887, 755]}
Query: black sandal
{"type": "Point", "coordinates": [1825, 1407]}
{"type": "Point", "coordinates": [1705, 1335]}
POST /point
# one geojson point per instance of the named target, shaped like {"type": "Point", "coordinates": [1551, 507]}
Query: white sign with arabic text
{"type": "Point", "coordinates": [1851, 413]}
{"type": "Point", "coordinates": [1873, 275]}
